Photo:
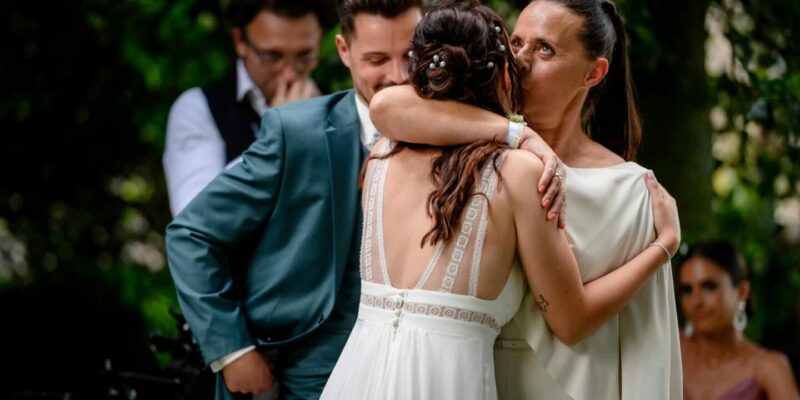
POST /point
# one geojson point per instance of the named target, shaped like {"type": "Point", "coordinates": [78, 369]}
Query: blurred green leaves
{"type": "Point", "coordinates": [89, 86]}
{"type": "Point", "coordinates": [757, 176]}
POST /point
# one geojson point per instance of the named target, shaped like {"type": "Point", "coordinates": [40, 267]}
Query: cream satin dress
{"type": "Point", "coordinates": [636, 354]}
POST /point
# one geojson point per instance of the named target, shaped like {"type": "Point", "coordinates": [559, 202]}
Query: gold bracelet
{"type": "Point", "coordinates": [669, 256]}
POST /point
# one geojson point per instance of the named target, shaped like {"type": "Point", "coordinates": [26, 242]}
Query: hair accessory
{"type": "Point", "coordinates": [502, 48]}
{"type": "Point", "coordinates": [490, 64]}
{"type": "Point", "coordinates": [688, 329]}
{"type": "Point", "coordinates": [437, 61]}
{"type": "Point", "coordinates": [497, 29]}
{"type": "Point", "coordinates": [411, 54]}
{"type": "Point", "coordinates": [740, 317]}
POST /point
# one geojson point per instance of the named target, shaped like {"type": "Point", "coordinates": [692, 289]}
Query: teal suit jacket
{"type": "Point", "coordinates": [259, 255]}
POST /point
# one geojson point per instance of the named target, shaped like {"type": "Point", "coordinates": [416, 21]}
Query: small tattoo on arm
{"type": "Point", "coordinates": [542, 303]}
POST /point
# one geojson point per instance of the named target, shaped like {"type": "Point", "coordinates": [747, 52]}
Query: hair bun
{"type": "Point", "coordinates": [459, 55]}
{"type": "Point", "coordinates": [446, 69]}
{"type": "Point", "coordinates": [457, 59]}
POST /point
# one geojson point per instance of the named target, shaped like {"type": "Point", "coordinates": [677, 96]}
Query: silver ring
{"type": "Point", "coordinates": [559, 176]}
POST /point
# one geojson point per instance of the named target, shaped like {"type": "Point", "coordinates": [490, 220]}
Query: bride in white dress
{"type": "Point", "coordinates": [443, 226]}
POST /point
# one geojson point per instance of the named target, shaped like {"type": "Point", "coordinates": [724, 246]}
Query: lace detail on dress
{"type": "Point", "coordinates": [374, 174]}
{"type": "Point", "coordinates": [454, 313]}
{"type": "Point", "coordinates": [475, 270]}
{"type": "Point", "coordinates": [366, 246]}
{"type": "Point", "coordinates": [462, 241]}
{"type": "Point", "coordinates": [431, 265]}
{"type": "Point", "coordinates": [458, 273]}
{"type": "Point", "coordinates": [384, 168]}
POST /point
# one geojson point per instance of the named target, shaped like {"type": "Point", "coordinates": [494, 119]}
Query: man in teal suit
{"type": "Point", "coordinates": [265, 258]}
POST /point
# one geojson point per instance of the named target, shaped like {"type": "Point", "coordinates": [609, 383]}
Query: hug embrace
{"type": "Point", "coordinates": [406, 240]}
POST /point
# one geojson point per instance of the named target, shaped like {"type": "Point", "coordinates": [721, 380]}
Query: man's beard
{"type": "Point", "coordinates": [384, 85]}
{"type": "Point", "coordinates": [377, 88]}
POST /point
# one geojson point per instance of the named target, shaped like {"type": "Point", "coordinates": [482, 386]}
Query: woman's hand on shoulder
{"type": "Point", "coordinates": [552, 181]}
{"type": "Point", "coordinates": [665, 214]}
{"type": "Point", "coordinates": [521, 171]}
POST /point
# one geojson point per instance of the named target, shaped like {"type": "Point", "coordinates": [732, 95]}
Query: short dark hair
{"type": "Point", "coordinates": [241, 12]}
{"type": "Point", "coordinates": [348, 9]}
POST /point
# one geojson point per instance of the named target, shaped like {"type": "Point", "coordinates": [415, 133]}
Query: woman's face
{"type": "Point", "coordinates": [708, 298]}
{"type": "Point", "coordinates": [553, 63]}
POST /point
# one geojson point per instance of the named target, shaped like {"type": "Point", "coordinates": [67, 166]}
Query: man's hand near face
{"type": "Point", "coordinates": [294, 91]}
{"type": "Point", "coordinates": [251, 373]}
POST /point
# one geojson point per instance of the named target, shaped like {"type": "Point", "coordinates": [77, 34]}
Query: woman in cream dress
{"type": "Point", "coordinates": [574, 68]}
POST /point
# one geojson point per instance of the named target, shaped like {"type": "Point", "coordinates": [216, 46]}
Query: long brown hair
{"type": "Point", "coordinates": [461, 52]}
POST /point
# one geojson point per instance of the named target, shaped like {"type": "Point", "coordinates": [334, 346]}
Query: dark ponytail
{"type": "Point", "coordinates": [610, 112]}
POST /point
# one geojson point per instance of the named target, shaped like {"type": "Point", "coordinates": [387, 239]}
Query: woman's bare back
{"type": "Point", "coordinates": [406, 220]}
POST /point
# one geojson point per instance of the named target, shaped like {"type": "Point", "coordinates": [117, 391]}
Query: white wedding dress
{"type": "Point", "coordinates": [636, 354]}
{"type": "Point", "coordinates": [435, 340]}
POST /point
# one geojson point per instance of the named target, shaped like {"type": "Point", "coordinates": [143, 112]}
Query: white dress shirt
{"type": "Point", "coordinates": [369, 135]}
{"type": "Point", "coordinates": [194, 153]}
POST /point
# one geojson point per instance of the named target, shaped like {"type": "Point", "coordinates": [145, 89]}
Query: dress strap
{"type": "Point", "coordinates": [379, 228]}
{"type": "Point", "coordinates": [467, 227]}
{"type": "Point", "coordinates": [373, 205]}
{"type": "Point", "coordinates": [431, 265]}
{"type": "Point", "coordinates": [491, 188]}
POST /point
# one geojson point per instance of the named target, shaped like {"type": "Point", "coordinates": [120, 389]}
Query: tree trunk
{"type": "Point", "coordinates": [672, 89]}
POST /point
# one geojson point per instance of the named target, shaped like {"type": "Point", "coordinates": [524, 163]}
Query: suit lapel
{"type": "Point", "coordinates": [345, 154]}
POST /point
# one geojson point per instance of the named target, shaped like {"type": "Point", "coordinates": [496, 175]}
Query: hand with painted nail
{"type": "Point", "coordinates": [665, 214]}
{"type": "Point", "coordinates": [553, 181]}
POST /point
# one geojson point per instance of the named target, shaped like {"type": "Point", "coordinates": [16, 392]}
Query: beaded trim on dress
{"type": "Point", "coordinates": [454, 313]}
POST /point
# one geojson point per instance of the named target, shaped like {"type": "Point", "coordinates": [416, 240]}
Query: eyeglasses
{"type": "Point", "coordinates": [276, 60]}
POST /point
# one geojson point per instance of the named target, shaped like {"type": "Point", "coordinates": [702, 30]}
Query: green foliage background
{"type": "Point", "coordinates": [88, 86]}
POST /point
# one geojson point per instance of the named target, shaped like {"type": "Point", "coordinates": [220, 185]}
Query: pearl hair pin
{"type": "Point", "coordinates": [437, 60]}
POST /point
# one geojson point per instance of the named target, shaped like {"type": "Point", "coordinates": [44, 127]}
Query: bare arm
{"type": "Point", "coordinates": [775, 377]}
{"type": "Point", "coordinates": [571, 309]}
{"type": "Point", "coordinates": [400, 114]}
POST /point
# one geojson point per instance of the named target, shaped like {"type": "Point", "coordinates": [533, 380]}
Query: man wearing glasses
{"type": "Point", "coordinates": [277, 44]}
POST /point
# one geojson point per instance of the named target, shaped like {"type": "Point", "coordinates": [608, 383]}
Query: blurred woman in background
{"type": "Point", "coordinates": [719, 362]}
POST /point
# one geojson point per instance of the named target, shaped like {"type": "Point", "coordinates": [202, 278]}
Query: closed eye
{"type": "Point", "coordinates": [516, 43]}
{"type": "Point", "coordinates": [376, 59]}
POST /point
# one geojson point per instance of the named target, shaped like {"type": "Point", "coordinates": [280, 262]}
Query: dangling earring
{"type": "Point", "coordinates": [688, 329]}
{"type": "Point", "coordinates": [740, 317]}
